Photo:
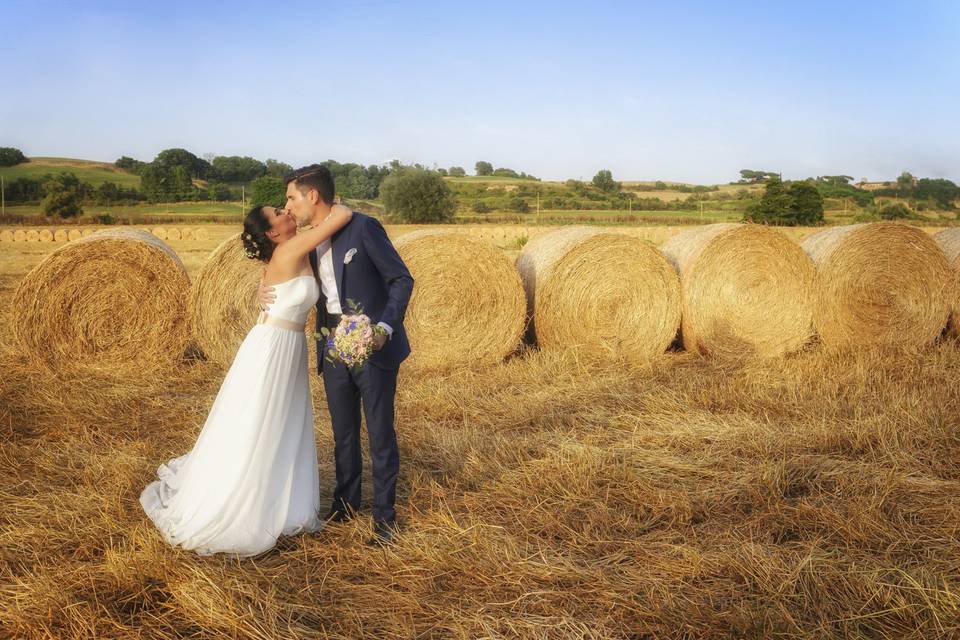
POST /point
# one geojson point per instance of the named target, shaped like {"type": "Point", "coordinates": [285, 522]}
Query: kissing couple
{"type": "Point", "coordinates": [252, 474]}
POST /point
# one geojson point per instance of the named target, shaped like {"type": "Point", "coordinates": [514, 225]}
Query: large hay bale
{"type": "Point", "coordinates": [88, 232]}
{"type": "Point", "coordinates": [173, 234]}
{"type": "Point", "coordinates": [605, 293]}
{"type": "Point", "coordinates": [468, 304]}
{"type": "Point", "coordinates": [186, 233]}
{"type": "Point", "coordinates": [61, 235]}
{"type": "Point", "coordinates": [201, 234]}
{"type": "Point", "coordinates": [223, 300]}
{"type": "Point", "coordinates": [6, 235]}
{"type": "Point", "coordinates": [160, 232]}
{"type": "Point", "coordinates": [74, 234]}
{"type": "Point", "coordinates": [113, 302]}
{"type": "Point", "coordinates": [20, 235]}
{"type": "Point", "coordinates": [949, 241]}
{"type": "Point", "coordinates": [45, 235]}
{"type": "Point", "coordinates": [746, 290]}
{"type": "Point", "coordinates": [33, 235]}
{"type": "Point", "coordinates": [880, 284]}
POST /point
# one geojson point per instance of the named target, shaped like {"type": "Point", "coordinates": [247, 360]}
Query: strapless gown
{"type": "Point", "coordinates": [252, 474]}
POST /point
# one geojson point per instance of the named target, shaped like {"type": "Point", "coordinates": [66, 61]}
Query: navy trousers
{"type": "Point", "coordinates": [374, 389]}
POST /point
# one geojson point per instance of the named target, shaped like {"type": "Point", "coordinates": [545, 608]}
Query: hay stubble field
{"type": "Point", "coordinates": [551, 495]}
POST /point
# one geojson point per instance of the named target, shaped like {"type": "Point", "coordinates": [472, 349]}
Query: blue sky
{"type": "Point", "coordinates": [691, 91]}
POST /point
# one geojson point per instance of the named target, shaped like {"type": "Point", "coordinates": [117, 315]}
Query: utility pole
{"type": "Point", "coordinates": [3, 197]}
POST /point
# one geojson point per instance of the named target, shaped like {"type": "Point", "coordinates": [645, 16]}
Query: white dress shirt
{"type": "Point", "coordinates": [328, 282]}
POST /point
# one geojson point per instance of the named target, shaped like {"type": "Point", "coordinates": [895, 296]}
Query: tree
{"type": "Point", "coordinates": [238, 168]}
{"type": "Point", "coordinates": [504, 172]}
{"type": "Point", "coordinates": [10, 156]}
{"type": "Point", "coordinates": [277, 169]}
{"type": "Point", "coordinates": [749, 176]}
{"type": "Point", "coordinates": [483, 168]}
{"type": "Point", "coordinates": [605, 182]}
{"type": "Point", "coordinates": [837, 181]}
{"type": "Point", "coordinates": [906, 181]}
{"type": "Point", "coordinates": [418, 195]}
{"type": "Point", "coordinates": [194, 166]}
{"type": "Point", "coordinates": [62, 197]}
{"type": "Point", "coordinates": [457, 172]}
{"type": "Point", "coordinates": [895, 211]}
{"type": "Point", "coordinates": [128, 164]}
{"type": "Point", "coordinates": [807, 206]}
{"type": "Point", "coordinates": [442, 172]}
{"type": "Point", "coordinates": [797, 204]}
{"type": "Point", "coordinates": [943, 192]}
{"type": "Point", "coordinates": [268, 190]}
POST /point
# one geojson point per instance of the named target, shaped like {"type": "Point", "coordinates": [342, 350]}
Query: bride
{"type": "Point", "coordinates": [252, 473]}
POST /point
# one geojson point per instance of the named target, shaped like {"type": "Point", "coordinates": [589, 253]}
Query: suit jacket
{"type": "Point", "coordinates": [375, 278]}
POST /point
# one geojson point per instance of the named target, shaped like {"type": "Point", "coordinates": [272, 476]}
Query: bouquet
{"type": "Point", "coordinates": [352, 341]}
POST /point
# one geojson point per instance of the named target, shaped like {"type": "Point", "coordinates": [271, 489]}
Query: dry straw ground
{"type": "Point", "coordinates": [816, 496]}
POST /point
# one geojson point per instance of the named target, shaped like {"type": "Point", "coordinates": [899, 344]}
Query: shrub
{"type": "Point", "coordinates": [418, 195]}
{"type": "Point", "coordinates": [519, 205]}
{"type": "Point", "coordinates": [895, 211]}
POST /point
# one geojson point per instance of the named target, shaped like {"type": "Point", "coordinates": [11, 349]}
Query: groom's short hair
{"type": "Point", "coordinates": [314, 176]}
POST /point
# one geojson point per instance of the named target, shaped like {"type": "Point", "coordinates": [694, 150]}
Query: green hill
{"type": "Point", "coordinates": [96, 173]}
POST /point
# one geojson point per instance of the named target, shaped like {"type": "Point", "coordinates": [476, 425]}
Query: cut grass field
{"type": "Point", "coordinates": [545, 497]}
{"type": "Point", "coordinates": [96, 173]}
{"type": "Point", "coordinates": [173, 211]}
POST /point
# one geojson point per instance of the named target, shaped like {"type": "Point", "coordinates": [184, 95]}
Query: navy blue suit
{"type": "Point", "coordinates": [378, 281]}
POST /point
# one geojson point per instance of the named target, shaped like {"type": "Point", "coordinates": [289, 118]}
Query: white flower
{"type": "Point", "coordinates": [349, 256]}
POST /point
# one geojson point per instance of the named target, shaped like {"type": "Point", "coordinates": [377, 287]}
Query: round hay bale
{"type": "Point", "coordinates": [173, 234]}
{"type": "Point", "coordinates": [113, 302]}
{"type": "Point", "coordinates": [468, 305]}
{"type": "Point", "coordinates": [19, 235]}
{"type": "Point", "coordinates": [60, 235]}
{"type": "Point", "coordinates": [33, 235]}
{"type": "Point", "coordinates": [201, 234]}
{"type": "Point", "coordinates": [882, 284]}
{"type": "Point", "coordinates": [6, 235]}
{"type": "Point", "coordinates": [74, 234]}
{"type": "Point", "coordinates": [160, 232]}
{"type": "Point", "coordinates": [949, 241]}
{"type": "Point", "coordinates": [747, 290]}
{"type": "Point", "coordinates": [87, 233]}
{"type": "Point", "coordinates": [605, 293]}
{"type": "Point", "coordinates": [223, 300]}
{"type": "Point", "coordinates": [46, 235]}
{"type": "Point", "coordinates": [186, 233]}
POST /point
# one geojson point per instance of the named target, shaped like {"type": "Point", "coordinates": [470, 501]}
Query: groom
{"type": "Point", "coordinates": [360, 264]}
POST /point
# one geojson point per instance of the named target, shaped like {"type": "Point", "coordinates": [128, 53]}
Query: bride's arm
{"type": "Point", "coordinates": [308, 240]}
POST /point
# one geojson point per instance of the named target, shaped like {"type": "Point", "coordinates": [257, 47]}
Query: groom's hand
{"type": "Point", "coordinates": [379, 339]}
{"type": "Point", "coordinates": [265, 294]}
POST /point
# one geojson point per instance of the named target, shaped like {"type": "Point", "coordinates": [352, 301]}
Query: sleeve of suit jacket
{"type": "Point", "coordinates": [392, 269]}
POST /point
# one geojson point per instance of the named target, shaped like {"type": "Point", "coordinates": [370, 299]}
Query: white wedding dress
{"type": "Point", "coordinates": [252, 474]}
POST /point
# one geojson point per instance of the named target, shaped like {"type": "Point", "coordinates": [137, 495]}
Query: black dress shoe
{"type": "Point", "coordinates": [384, 532]}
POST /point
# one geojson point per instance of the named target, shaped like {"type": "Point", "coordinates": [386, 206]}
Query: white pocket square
{"type": "Point", "coordinates": [349, 256]}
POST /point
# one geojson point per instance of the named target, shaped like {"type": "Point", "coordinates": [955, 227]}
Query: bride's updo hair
{"type": "Point", "coordinates": [256, 243]}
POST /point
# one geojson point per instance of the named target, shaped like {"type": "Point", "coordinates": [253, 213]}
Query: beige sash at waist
{"type": "Point", "coordinates": [280, 322]}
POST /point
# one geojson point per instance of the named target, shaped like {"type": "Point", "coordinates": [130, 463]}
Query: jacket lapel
{"type": "Point", "coordinates": [338, 244]}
